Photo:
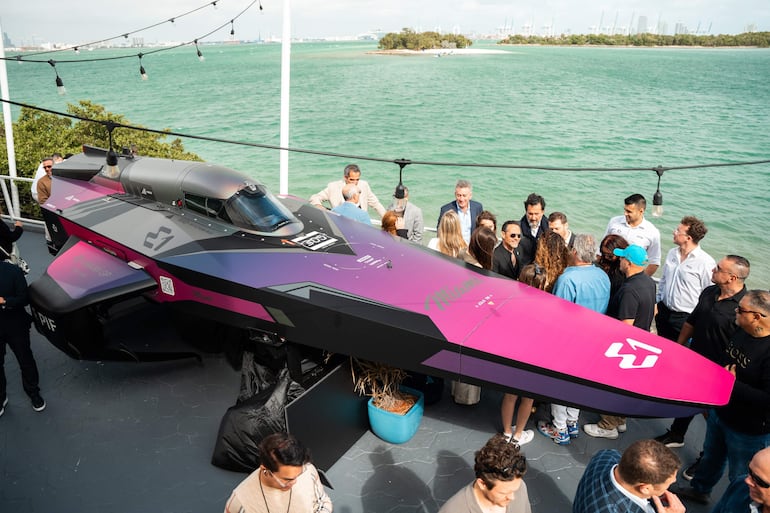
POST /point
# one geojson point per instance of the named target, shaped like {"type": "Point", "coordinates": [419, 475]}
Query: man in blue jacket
{"type": "Point", "coordinates": [635, 482]}
{"type": "Point", "coordinates": [466, 208]}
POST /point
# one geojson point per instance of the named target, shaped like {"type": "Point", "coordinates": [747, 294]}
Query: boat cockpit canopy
{"type": "Point", "coordinates": [252, 208]}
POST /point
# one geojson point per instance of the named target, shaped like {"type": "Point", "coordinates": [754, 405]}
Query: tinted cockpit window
{"type": "Point", "coordinates": [210, 207]}
{"type": "Point", "coordinates": [253, 208]}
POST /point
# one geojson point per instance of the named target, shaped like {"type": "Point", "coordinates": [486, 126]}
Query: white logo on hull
{"type": "Point", "coordinates": [628, 360]}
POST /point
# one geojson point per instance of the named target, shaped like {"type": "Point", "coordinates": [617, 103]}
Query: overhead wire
{"type": "Point", "coordinates": [144, 53]}
{"type": "Point", "coordinates": [401, 162]}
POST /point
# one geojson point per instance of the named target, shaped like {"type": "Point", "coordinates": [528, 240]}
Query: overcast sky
{"type": "Point", "coordinates": [81, 21]}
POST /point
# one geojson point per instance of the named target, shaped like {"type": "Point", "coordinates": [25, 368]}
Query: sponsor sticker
{"type": "Point", "coordinates": [167, 285]}
{"type": "Point", "coordinates": [314, 240]}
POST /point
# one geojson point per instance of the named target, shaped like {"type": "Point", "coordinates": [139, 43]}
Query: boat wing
{"type": "Point", "coordinates": [83, 275]}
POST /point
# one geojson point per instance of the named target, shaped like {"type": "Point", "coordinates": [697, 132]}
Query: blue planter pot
{"type": "Point", "coordinates": [395, 428]}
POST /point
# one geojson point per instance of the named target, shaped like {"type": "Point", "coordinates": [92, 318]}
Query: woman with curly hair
{"type": "Point", "coordinates": [552, 255]}
{"type": "Point", "coordinates": [610, 263]}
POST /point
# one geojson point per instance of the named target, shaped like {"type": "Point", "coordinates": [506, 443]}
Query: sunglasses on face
{"type": "Point", "coordinates": [758, 480]}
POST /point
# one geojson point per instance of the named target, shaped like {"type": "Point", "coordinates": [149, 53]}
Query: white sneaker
{"type": "Point", "coordinates": [526, 436]}
{"type": "Point", "coordinates": [622, 428]}
{"type": "Point", "coordinates": [597, 432]}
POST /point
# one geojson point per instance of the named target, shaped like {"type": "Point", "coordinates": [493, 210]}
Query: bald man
{"type": "Point", "coordinates": [752, 489]}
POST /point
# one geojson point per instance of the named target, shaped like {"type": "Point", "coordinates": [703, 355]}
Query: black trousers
{"type": "Point", "coordinates": [17, 338]}
{"type": "Point", "coordinates": [668, 322]}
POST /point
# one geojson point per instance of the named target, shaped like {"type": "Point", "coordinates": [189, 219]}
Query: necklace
{"type": "Point", "coordinates": [265, 498]}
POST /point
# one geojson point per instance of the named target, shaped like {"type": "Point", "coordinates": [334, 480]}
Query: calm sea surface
{"type": "Point", "coordinates": [532, 106]}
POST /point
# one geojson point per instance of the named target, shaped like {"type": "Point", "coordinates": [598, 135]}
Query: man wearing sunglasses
{"type": "Point", "coordinates": [735, 432]}
{"type": "Point", "coordinates": [40, 173]}
{"type": "Point", "coordinates": [708, 329]}
{"type": "Point", "coordinates": [751, 492]}
{"type": "Point", "coordinates": [44, 184]}
{"type": "Point", "coordinates": [507, 259]}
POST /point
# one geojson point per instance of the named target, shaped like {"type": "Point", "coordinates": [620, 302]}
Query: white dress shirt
{"type": "Point", "coordinates": [644, 234]}
{"type": "Point", "coordinates": [333, 194]}
{"type": "Point", "coordinates": [683, 281]}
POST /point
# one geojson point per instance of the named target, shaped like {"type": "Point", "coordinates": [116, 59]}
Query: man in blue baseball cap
{"type": "Point", "coordinates": [634, 304]}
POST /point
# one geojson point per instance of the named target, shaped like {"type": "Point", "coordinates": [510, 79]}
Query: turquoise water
{"type": "Point", "coordinates": [570, 107]}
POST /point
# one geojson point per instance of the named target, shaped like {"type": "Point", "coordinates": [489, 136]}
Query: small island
{"type": "Point", "coordinates": [408, 39]}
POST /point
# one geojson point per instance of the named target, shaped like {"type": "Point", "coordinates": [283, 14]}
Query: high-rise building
{"type": "Point", "coordinates": [641, 26]}
{"type": "Point", "coordinates": [7, 41]}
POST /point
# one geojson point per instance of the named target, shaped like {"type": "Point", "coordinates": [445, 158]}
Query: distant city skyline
{"type": "Point", "coordinates": [37, 22]}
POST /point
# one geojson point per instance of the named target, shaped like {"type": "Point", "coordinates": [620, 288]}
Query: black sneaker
{"type": "Point", "coordinates": [38, 403]}
{"type": "Point", "coordinates": [690, 471]}
{"type": "Point", "coordinates": [690, 493]}
{"type": "Point", "coordinates": [670, 440]}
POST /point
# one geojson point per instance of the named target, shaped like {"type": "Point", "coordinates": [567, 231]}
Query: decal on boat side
{"type": "Point", "coordinates": [628, 360]}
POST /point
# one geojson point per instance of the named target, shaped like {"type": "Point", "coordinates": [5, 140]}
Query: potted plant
{"type": "Point", "coordinates": [395, 411]}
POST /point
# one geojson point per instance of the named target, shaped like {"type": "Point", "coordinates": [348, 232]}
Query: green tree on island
{"type": "Point", "coordinates": [408, 39]}
{"type": "Point", "coordinates": [754, 39]}
{"type": "Point", "coordinates": [38, 134]}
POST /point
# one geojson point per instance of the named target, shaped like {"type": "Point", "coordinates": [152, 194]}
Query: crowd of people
{"type": "Point", "coordinates": [697, 302]}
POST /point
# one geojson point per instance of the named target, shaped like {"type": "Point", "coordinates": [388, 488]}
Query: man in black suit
{"type": "Point", "coordinates": [466, 208]}
{"type": "Point", "coordinates": [507, 258]}
{"type": "Point", "coordinates": [533, 225]}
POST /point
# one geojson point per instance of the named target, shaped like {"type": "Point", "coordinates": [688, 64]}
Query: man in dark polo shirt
{"type": "Point", "coordinates": [709, 327]}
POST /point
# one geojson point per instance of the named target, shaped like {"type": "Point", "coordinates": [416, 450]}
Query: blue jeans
{"type": "Point", "coordinates": [722, 446]}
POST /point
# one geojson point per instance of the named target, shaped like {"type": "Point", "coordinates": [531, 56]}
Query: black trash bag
{"type": "Point", "coordinates": [245, 425]}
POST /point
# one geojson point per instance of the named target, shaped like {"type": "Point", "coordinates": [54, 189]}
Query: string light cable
{"type": "Point", "coordinates": [76, 48]}
{"type": "Point", "coordinates": [111, 125]}
{"type": "Point", "coordinates": [60, 84]}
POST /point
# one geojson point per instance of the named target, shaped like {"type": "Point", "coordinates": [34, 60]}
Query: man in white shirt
{"type": "Point", "coordinates": [333, 192]}
{"type": "Point", "coordinates": [557, 222]}
{"type": "Point", "coordinates": [633, 227]}
{"type": "Point", "coordinates": [686, 272]}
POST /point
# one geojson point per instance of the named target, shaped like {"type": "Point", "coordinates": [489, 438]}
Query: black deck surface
{"type": "Point", "coordinates": [127, 437]}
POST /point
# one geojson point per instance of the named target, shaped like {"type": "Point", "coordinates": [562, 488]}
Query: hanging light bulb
{"type": "Point", "coordinates": [59, 82]}
{"type": "Point", "coordinates": [260, 5]}
{"type": "Point", "coordinates": [142, 72]}
{"type": "Point", "coordinates": [657, 198]}
{"type": "Point", "coordinates": [198, 50]}
{"type": "Point", "coordinates": [77, 50]}
{"type": "Point", "coordinates": [111, 169]}
{"type": "Point", "coordinates": [214, 4]}
{"type": "Point", "coordinates": [232, 28]}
